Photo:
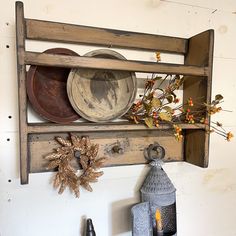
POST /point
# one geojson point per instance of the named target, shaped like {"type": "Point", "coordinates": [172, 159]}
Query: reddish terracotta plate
{"type": "Point", "coordinates": [46, 89]}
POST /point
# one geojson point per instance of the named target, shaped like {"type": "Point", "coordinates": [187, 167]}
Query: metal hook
{"type": "Point", "coordinates": [154, 152]}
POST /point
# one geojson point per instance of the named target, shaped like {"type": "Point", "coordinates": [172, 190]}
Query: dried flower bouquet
{"type": "Point", "coordinates": [159, 103]}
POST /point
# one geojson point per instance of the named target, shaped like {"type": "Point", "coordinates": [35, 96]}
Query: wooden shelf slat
{"type": "Point", "coordinates": [68, 33]}
{"type": "Point", "coordinates": [33, 58]}
{"type": "Point", "coordinates": [89, 127]}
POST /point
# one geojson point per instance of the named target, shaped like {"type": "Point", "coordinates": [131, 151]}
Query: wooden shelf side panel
{"type": "Point", "coordinates": [21, 72]}
{"type": "Point", "coordinates": [200, 53]}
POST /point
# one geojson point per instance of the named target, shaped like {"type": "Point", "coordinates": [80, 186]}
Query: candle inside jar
{"type": "Point", "coordinates": [158, 220]}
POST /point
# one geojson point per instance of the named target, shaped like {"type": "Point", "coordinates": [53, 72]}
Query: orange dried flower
{"type": "Point", "coordinates": [149, 83]}
{"type": "Point", "coordinates": [189, 118]}
{"type": "Point", "coordinates": [177, 128]}
{"type": "Point", "coordinates": [229, 136]}
{"type": "Point", "coordinates": [176, 100]}
{"type": "Point", "coordinates": [213, 109]}
{"type": "Point", "coordinates": [178, 133]}
{"type": "Point", "coordinates": [154, 114]}
{"type": "Point", "coordinates": [158, 56]}
{"type": "Point", "coordinates": [136, 106]}
{"type": "Point", "coordinates": [139, 103]}
{"type": "Point", "coordinates": [177, 83]}
{"type": "Point", "coordinates": [190, 102]}
{"type": "Point", "coordinates": [178, 137]}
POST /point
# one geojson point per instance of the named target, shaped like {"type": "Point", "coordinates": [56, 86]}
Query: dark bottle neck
{"type": "Point", "coordinates": [90, 229]}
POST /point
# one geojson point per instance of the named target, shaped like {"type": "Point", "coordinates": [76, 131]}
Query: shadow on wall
{"type": "Point", "coordinates": [121, 215]}
{"type": "Point", "coordinates": [121, 221]}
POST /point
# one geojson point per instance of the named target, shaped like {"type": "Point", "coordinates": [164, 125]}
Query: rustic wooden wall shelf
{"type": "Point", "coordinates": [36, 139]}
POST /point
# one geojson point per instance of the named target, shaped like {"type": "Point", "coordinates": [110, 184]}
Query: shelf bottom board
{"type": "Point", "coordinates": [132, 143]}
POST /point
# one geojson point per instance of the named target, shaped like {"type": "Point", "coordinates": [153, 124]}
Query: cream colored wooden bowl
{"type": "Point", "coordinates": [101, 95]}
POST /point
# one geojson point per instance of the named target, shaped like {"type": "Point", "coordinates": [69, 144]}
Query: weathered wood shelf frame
{"type": "Point", "coordinates": [198, 52]}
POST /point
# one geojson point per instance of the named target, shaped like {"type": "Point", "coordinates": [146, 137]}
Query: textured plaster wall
{"type": "Point", "coordinates": [206, 198]}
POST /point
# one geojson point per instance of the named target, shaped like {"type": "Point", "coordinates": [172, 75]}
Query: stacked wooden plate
{"type": "Point", "coordinates": [101, 95]}
{"type": "Point", "coordinates": [96, 95]}
{"type": "Point", "coordinates": [46, 89]}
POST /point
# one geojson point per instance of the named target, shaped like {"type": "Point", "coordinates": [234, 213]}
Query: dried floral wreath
{"type": "Point", "coordinates": [82, 150]}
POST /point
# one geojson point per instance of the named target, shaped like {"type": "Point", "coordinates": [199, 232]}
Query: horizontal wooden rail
{"type": "Point", "coordinates": [68, 33]}
{"type": "Point", "coordinates": [33, 58]}
{"type": "Point", "coordinates": [90, 127]}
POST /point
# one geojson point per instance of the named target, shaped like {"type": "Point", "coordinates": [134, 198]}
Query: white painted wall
{"type": "Point", "coordinates": [206, 198]}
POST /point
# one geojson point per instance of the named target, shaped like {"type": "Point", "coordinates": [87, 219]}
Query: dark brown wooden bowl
{"type": "Point", "coordinates": [46, 89]}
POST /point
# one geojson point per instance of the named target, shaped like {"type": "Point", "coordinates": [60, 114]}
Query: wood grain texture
{"type": "Point", "coordinates": [200, 53]}
{"type": "Point", "coordinates": [132, 146]}
{"type": "Point", "coordinates": [21, 72]}
{"type": "Point", "coordinates": [196, 147]}
{"type": "Point", "coordinates": [67, 33]}
{"type": "Point", "coordinates": [39, 128]}
{"type": "Point", "coordinates": [43, 59]}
